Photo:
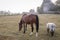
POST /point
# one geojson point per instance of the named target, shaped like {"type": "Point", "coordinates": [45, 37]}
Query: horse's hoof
{"type": "Point", "coordinates": [31, 33]}
{"type": "Point", "coordinates": [36, 34]}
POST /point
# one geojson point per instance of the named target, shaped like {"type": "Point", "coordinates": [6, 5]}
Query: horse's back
{"type": "Point", "coordinates": [29, 18]}
{"type": "Point", "coordinates": [51, 26]}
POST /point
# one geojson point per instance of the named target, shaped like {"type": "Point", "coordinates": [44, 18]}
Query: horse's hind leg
{"type": "Point", "coordinates": [52, 33]}
{"type": "Point", "coordinates": [32, 29]}
{"type": "Point", "coordinates": [37, 28]}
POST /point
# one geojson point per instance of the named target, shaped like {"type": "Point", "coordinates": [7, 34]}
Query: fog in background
{"type": "Point", "coordinates": [19, 6]}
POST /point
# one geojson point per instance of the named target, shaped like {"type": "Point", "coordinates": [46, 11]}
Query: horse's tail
{"type": "Point", "coordinates": [37, 23]}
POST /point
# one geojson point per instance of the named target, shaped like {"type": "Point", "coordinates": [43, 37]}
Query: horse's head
{"type": "Point", "coordinates": [20, 25]}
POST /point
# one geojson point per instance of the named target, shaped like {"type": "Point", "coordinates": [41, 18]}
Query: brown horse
{"type": "Point", "coordinates": [29, 19]}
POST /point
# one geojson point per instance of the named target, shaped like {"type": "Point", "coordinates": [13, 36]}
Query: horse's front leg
{"type": "Point", "coordinates": [24, 28]}
{"type": "Point", "coordinates": [47, 30]}
{"type": "Point", "coordinates": [32, 29]}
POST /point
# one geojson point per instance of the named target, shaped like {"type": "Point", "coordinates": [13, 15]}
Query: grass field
{"type": "Point", "coordinates": [9, 28]}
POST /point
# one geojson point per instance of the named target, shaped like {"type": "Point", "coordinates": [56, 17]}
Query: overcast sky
{"type": "Point", "coordinates": [19, 5]}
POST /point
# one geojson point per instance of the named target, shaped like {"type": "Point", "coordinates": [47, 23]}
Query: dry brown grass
{"type": "Point", "coordinates": [9, 28]}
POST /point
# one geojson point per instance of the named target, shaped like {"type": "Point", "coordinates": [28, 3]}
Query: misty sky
{"type": "Point", "coordinates": [19, 5]}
